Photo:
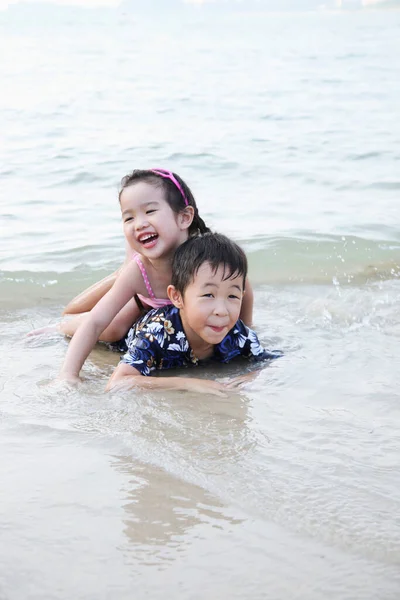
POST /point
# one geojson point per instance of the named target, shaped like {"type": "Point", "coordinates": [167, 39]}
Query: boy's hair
{"type": "Point", "coordinates": [213, 248]}
{"type": "Point", "coordinates": [178, 197]}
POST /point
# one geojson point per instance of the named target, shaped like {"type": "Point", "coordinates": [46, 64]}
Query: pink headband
{"type": "Point", "coordinates": [168, 175]}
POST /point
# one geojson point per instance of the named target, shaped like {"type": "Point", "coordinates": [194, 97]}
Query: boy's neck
{"type": "Point", "coordinates": [200, 348]}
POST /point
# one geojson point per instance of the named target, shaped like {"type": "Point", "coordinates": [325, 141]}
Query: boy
{"type": "Point", "coordinates": [208, 275]}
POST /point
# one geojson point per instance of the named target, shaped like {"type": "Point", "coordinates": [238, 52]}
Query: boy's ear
{"type": "Point", "coordinates": [175, 296]}
{"type": "Point", "coordinates": [186, 217]}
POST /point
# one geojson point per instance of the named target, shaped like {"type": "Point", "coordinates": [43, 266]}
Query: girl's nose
{"type": "Point", "coordinates": [140, 223]}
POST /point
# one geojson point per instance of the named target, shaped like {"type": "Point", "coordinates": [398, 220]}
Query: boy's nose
{"type": "Point", "coordinates": [220, 308]}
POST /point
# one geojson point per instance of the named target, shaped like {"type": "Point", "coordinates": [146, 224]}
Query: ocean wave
{"type": "Point", "coordinates": [314, 260]}
{"type": "Point", "coordinates": [322, 259]}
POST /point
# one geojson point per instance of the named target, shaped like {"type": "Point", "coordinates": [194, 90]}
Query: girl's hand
{"type": "Point", "coordinates": [69, 378]}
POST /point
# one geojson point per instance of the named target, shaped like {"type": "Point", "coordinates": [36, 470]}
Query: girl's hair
{"type": "Point", "coordinates": [173, 193]}
{"type": "Point", "coordinates": [213, 248]}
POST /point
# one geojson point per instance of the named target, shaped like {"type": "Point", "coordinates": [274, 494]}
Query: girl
{"type": "Point", "coordinates": [159, 213]}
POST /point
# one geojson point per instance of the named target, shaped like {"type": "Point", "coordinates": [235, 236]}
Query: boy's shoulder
{"type": "Point", "coordinates": [242, 341]}
{"type": "Point", "coordinates": [168, 311]}
{"type": "Point", "coordinates": [158, 341]}
{"type": "Point", "coordinates": [157, 325]}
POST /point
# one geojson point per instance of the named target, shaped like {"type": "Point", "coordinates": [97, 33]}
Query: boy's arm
{"type": "Point", "coordinates": [246, 312]}
{"type": "Point", "coordinates": [97, 320]}
{"type": "Point", "coordinates": [126, 376]}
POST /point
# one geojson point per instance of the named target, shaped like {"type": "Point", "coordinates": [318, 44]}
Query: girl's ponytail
{"type": "Point", "coordinates": [198, 226]}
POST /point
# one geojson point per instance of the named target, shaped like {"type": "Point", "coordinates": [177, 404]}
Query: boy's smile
{"type": "Point", "coordinates": [209, 307]}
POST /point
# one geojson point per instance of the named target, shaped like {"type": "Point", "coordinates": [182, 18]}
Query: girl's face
{"type": "Point", "coordinates": [151, 227]}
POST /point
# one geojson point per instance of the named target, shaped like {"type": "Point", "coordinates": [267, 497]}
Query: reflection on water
{"type": "Point", "coordinates": [290, 483]}
{"type": "Point", "coordinates": [162, 510]}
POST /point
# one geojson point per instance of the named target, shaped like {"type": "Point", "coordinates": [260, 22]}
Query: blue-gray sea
{"type": "Point", "coordinates": [287, 128]}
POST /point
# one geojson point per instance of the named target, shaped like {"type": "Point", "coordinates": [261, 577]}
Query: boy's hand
{"type": "Point", "coordinates": [128, 377]}
{"type": "Point", "coordinates": [241, 380]}
{"type": "Point", "coordinates": [205, 386]}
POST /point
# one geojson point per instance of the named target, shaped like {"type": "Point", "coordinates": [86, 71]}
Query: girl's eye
{"type": "Point", "coordinates": [234, 297]}
{"type": "Point", "coordinates": [207, 295]}
{"type": "Point", "coordinates": [152, 210]}
{"type": "Point", "coordinates": [128, 219]}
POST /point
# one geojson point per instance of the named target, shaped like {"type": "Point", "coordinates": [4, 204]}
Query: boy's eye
{"type": "Point", "coordinates": [151, 210]}
{"type": "Point", "coordinates": [128, 219]}
{"type": "Point", "coordinates": [208, 295]}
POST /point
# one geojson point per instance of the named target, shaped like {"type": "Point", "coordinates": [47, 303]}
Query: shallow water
{"type": "Point", "coordinates": [286, 126]}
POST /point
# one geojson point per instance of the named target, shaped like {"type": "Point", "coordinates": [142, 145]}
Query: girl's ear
{"type": "Point", "coordinates": [175, 296]}
{"type": "Point", "coordinates": [186, 217]}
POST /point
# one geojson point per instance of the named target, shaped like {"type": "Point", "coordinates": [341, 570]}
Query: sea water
{"type": "Point", "coordinates": [286, 126]}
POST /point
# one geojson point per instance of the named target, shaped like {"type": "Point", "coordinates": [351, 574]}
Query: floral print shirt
{"type": "Point", "coordinates": [158, 341]}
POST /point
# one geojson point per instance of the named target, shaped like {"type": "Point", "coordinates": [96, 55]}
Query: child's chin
{"type": "Point", "coordinates": [215, 337]}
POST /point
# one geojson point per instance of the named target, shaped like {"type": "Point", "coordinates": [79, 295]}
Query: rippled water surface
{"type": "Point", "coordinates": [286, 126]}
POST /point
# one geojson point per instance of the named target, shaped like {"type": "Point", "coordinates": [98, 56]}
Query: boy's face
{"type": "Point", "coordinates": [210, 306]}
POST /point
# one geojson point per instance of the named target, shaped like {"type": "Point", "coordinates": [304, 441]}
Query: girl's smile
{"type": "Point", "coordinates": [150, 224]}
{"type": "Point", "coordinates": [148, 240]}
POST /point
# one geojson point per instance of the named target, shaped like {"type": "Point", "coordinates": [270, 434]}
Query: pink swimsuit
{"type": "Point", "coordinates": [151, 301]}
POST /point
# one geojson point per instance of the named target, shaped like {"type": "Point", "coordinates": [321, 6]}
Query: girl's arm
{"type": "Point", "coordinates": [128, 377]}
{"type": "Point", "coordinates": [87, 334]}
{"type": "Point", "coordinates": [87, 299]}
{"type": "Point", "coordinates": [246, 312]}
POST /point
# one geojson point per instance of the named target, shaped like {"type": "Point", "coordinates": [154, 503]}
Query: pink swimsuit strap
{"type": "Point", "coordinates": [151, 301]}
{"type": "Point", "coordinates": [139, 263]}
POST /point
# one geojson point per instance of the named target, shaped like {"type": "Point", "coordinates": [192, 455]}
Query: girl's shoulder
{"type": "Point", "coordinates": [131, 275]}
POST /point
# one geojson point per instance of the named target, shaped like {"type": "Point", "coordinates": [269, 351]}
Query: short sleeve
{"type": "Point", "coordinates": [143, 352]}
{"type": "Point", "coordinates": [250, 345]}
